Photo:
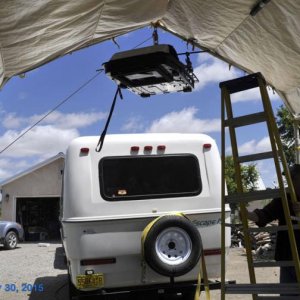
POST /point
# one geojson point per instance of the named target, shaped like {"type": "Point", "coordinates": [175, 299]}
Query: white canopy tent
{"type": "Point", "coordinates": [34, 32]}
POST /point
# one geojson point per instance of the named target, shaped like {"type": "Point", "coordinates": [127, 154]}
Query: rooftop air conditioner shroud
{"type": "Point", "coordinates": [150, 70]}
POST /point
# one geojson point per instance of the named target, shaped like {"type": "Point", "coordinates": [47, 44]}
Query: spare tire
{"type": "Point", "coordinates": [172, 246]}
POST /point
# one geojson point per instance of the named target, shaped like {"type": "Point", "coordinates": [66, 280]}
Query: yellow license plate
{"type": "Point", "coordinates": [90, 281]}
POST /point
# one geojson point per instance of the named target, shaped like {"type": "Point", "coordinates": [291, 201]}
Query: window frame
{"type": "Point", "coordinates": [148, 196]}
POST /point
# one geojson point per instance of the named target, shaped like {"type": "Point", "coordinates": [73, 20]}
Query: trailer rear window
{"type": "Point", "coordinates": [146, 177]}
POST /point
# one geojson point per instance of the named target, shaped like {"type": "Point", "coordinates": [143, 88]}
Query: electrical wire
{"type": "Point", "coordinates": [71, 95]}
{"type": "Point", "coordinates": [62, 102]}
{"type": "Point", "coordinates": [192, 52]}
{"type": "Point", "coordinates": [148, 39]}
{"type": "Point", "coordinates": [52, 110]}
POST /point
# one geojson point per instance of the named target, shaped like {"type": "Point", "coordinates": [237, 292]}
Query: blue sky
{"type": "Point", "coordinates": [23, 101]}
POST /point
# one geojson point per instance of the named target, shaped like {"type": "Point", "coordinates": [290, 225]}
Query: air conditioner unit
{"type": "Point", "coordinates": [150, 70]}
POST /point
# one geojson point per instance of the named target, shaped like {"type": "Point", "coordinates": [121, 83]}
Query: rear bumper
{"type": "Point", "coordinates": [152, 291]}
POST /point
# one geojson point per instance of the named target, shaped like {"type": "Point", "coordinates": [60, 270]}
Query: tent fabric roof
{"type": "Point", "coordinates": [33, 33]}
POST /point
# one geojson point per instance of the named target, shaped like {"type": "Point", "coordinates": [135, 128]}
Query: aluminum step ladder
{"type": "Point", "coordinates": [264, 291]}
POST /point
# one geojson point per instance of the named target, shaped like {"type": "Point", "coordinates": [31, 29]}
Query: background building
{"type": "Point", "coordinates": [32, 199]}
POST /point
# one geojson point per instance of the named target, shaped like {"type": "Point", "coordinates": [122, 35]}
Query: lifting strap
{"type": "Point", "coordinates": [103, 134]}
{"type": "Point", "coordinates": [202, 266]}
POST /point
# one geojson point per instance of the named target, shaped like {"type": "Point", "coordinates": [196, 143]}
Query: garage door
{"type": "Point", "coordinates": [39, 217]}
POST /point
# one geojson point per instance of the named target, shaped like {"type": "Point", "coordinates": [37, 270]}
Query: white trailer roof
{"type": "Point", "coordinates": [35, 32]}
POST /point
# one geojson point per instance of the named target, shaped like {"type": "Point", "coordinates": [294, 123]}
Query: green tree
{"type": "Point", "coordinates": [249, 175]}
{"type": "Point", "coordinates": [284, 122]}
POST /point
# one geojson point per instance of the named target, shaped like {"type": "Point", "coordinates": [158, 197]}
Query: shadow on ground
{"type": "Point", "coordinates": [60, 261]}
{"type": "Point", "coordinates": [50, 288]}
{"type": "Point", "coordinates": [53, 287]}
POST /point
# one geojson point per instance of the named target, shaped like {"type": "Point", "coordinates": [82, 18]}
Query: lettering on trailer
{"type": "Point", "coordinates": [206, 223]}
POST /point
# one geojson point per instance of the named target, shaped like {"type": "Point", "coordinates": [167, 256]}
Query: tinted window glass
{"type": "Point", "coordinates": [142, 177]}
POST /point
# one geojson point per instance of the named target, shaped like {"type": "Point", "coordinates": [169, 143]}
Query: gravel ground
{"type": "Point", "coordinates": [32, 265]}
{"type": "Point", "coordinates": [44, 269]}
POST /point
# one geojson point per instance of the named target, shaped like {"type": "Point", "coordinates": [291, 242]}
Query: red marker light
{"type": "Point", "coordinates": [206, 146]}
{"type": "Point", "coordinates": [135, 148]}
{"type": "Point", "coordinates": [148, 148]}
{"type": "Point", "coordinates": [161, 148]}
{"type": "Point", "coordinates": [84, 150]}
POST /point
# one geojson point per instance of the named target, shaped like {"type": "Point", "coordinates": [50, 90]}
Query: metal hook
{"type": "Point", "coordinates": [155, 36]}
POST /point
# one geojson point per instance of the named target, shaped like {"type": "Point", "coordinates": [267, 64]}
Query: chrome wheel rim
{"type": "Point", "coordinates": [12, 240]}
{"type": "Point", "coordinates": [173, 246]}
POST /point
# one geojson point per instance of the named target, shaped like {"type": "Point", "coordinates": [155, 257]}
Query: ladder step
{"type": "Point", "coordinates": [242, 83]}
{"type": "Point", "coordinates": [263, 288]}
{"type": "Point", "coordinates": [269, 264]}
{"type": "Point", "coordinates": [277, 297]}
{"type": "Point", "coordinates": [252, 196]}
{"type": "Point", "coordinates": [257, 156]}
{"type": "Point", "coordinates": [246, 120]}
{"type": "Point", "coordinates": [234, 225]}
{"type": "Point", "coordinates": [269, 228]}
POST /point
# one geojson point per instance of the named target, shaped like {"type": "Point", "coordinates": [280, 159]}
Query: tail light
{"type": "Point", "coordinates": [98, 261]}
{"type": "Point", "coordinates": [209, 252]}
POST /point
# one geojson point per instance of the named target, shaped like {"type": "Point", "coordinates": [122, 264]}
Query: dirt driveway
{"type": "Point", "coordinates": [32, 272]}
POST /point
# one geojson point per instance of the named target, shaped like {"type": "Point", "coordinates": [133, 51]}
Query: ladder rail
{"type": "Point", "coordinates": [263, 288]}
{"type": "Point", "coordinates": [297, 140]}
{"type": "Point", "coordinates": [275, 140]}
{"type": "Point", "coordinates": [239, 183]}
{"type": "Point", "coordinates": [223, 190]}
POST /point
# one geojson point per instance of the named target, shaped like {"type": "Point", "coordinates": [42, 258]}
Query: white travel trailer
{"type": "Point", "coordinates": [166, 187]}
